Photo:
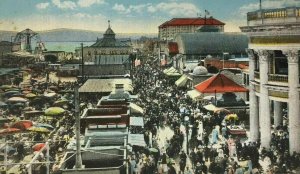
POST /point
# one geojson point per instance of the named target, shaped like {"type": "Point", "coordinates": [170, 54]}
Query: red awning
{"type": "Point", "coordinates": [219, 84]}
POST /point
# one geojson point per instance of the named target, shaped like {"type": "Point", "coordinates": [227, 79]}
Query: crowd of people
{"type": "Point", "coordinates": [181, 136]}
{"type": "Point", "coordinates": [212, 149]}
{"type": "Point", "coordinates": [21, 146]}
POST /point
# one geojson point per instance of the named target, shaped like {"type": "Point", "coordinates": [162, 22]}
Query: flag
{"type": "Point", "coordinates": [206, 12]}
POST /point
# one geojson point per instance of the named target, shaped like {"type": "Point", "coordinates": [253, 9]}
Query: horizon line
{"type": "Point", "coordinates": [76, 29]}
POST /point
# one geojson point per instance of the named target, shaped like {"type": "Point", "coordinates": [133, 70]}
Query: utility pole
{"type": "Point", "coordinates": [82, 62]}
{"type": "Point", "coordinates": [77, 129]}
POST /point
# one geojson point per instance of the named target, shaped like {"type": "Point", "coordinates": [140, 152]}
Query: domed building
{"type": "Point", "coordinates": [110, 53]}
{"type": "Point", "coordinates": [200, 70]}
{"type": "Point", "coordinates": [199, 74]}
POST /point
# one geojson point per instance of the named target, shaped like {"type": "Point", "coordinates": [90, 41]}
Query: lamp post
{"type": "Point", "coordinates": [186, 122]}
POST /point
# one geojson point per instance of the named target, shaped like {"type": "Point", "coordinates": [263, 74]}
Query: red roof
{"type": "Point", "coordinates": [191, 21]}
{"type": "Point", "coordinates": [173, 48]}
{"type": "Point", "coordinates": [219, 84]}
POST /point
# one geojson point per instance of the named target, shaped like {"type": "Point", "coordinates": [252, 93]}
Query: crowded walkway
{"type": "Point", "coordinates": [211, 149]}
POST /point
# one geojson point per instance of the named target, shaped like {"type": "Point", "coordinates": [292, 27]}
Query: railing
{"type": "Point", "coordinates": [256, 75]}
{"type": "Point", "coordinates": [278, 78]}
{"type": "Point", "coordinates": [290, 12]}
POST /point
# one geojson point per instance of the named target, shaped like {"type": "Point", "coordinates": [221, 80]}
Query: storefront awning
{"type": "Point", "coordinates": [182, 81]}
{"type": "Point", "coordinates": [171, 72]}
{"type": "Point", "coordinates": [194, 94]}
{"type": "Point", "coordinates": [136, 121]}
{"type": "Point", "coordinates": [210, 107]}
{"type": "Point", "coordinates": [136, 109]}
{"type": "Point", "coordinates": [136, 140]}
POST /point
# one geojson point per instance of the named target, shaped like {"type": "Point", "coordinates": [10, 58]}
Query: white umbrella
{"type": "Point", "coordinates": [51, 94]}
{"type": "Point", "coordinates": [210, 107]}
{"type": "Point", "coordinates": [17, 99]}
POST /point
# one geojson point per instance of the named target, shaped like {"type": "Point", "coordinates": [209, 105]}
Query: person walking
{"type": "Point", "coordinates": [215, 136]}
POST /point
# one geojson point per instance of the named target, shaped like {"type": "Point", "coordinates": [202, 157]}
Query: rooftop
{"type": "Point", "coordinates": [105, 85]}
{"type": "Point", "coordinates": [191, 21]}
{"type": "Point", "coordinates": [109, 40]}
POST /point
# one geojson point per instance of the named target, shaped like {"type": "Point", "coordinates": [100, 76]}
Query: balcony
{"type": "Point", "coordinates": [278, 78]}
{"type": "Point", "coordinates": [289, 15]}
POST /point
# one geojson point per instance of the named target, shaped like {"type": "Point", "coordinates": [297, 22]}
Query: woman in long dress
{"type": "Point", "coordinates": [231, 147]}
{"type": "Point", "coordinates": [215, 136]}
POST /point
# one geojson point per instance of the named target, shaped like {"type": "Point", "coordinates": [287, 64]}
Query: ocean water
{"type": "Point", "coordinates": [65, 46]}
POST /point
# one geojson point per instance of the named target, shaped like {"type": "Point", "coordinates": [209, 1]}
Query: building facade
{"type": "Point", "coordinates": [197, 46]}
{"type": "Point", "coordinates": [169, 29]}
{"type": "Point", "coordinates": [108, 50]}
{"type": "Point", "coordinates": [274, 44]}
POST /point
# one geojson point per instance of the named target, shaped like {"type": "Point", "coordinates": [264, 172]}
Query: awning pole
{"type": "Point", "coordinates": [215, 97]}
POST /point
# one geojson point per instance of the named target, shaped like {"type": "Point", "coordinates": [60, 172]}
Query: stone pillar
{"type": "Point", "coordinates": [253, 106]}
{"type": "Point", "coordinates": [264, 106]}
{"type": "Point", "coordinates": [293, 102]}
{"type": "Point", "coordinates": [277, 113]}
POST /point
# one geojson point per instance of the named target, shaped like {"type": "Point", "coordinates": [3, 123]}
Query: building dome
{"type": "Point", "coordinates": [200, 70]}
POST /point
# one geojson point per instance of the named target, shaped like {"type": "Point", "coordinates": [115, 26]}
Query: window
{"type": "Point", "coordinates": [281, 65]}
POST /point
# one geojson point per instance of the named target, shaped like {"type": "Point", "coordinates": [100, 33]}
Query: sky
{"type": "Point", "coordinates": [126, 16]}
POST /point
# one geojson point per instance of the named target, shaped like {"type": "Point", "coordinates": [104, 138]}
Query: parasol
{"type": "Point", "coordinates": [38, 129]}
{"type": "Point", "coordinates": [8, 131]}
{"type": "Point", "coordinates": [231, 117]}
{"type": "Point", "coordinates": [51, 94]}
{"type": "Point", "coordinates": [210, 107]}
{"type": "Point", "coordinates": [8, 93]}
{"type": "Point", "coordinates": [26, 92]}
{"type": "Point", "coordinates": [2, 104]}
{"type": "Point", "coordinates": [54, 88]}
{"type": "Point", "coordinates": [22, 125]}
{"type": "Point", "coordinates": [54, 111]}
{"type": "Point", "coordinates": [12, 89]}
{"type": "Point", "coordinates": [222, 111]}
{"type": "Point", "coordinates": [61, 102]}
{"type": "Point", "coordinates": [30, 95]}
{"type": "Point", "coordinates": [19, 104]}
{"type": "Point", "coordinates": [17, 99]}
{"type": "Point", "coordinates": [153, 150]}
{"type": "Point", "coordinates": [38, 146]}
{"type": "Point", "coordinates": [44, 125]}
{"type": "Point", "coordinates": [5, 87]}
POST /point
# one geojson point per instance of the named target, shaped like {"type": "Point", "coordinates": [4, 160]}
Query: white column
{"type": "Point", "coordinates": [253, 106]}
{"type": "Point", "coordinates": [293, 102]}
{"type": "Point", "coordinates": [277, 113]}
{"type": "Point", "coordinates": [264, 106]}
